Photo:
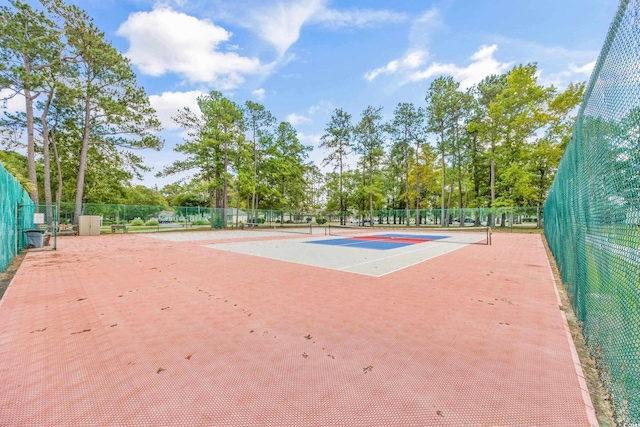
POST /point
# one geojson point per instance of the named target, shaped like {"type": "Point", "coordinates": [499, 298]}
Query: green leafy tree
{"type": "Point", "coordinates": [141, 195]}
{"type": "Point", "coordinates": [115, 111]}
{"type": "Point", "coordinates": [484, 127]}
{"type": "Point", "coordinates": [443, 116]}
{"type": "Point", "coordinates": [16, 165]}
{"type": "Point", "coordinates": [259, 122]}
{"type": "Point", "coordinates": [337, 141]}
{"type": "Point", "coordinates": [288, 167]}
{"type": "Point", "coordinates": [29, 47]}
{"type": "Point", "coordinates": [212, 135]}
{"type": "Point", "coordinates": [406, 128]}
{"type": "Point", "coordinates": [369, 144]}
{"type": "Point", "coordinates": [315, 180]}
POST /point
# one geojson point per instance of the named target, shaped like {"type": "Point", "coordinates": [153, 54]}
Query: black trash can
{"type": "Point", "coordinates": [35, 238]}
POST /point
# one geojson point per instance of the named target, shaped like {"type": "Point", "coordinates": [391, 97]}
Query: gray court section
{"type": "Point", "coordinates": [369, 262]}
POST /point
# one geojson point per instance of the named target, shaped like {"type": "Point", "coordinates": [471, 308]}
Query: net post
{"type": "Point", "coordinates": [489, 236]}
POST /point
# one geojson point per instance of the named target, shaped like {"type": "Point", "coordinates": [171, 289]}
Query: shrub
{"type": "Point", "coordinates": [151, 222]}
{"type": "Point", "coordinates": [321, 221]}
{"type": "Point", "coordinates": [218, 223]}
{"type": "Point", "coordinates": [137, 221]}
{"type": "Point", "coordinates": [199, 222]}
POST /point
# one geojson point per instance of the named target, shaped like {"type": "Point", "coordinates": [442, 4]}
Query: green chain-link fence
{"type": "Point", "coordinates": [145, 218]}
{"type": "Point", "coordinates": [592, 214]}
{"type": "Point", "coordinates": [12, 240]}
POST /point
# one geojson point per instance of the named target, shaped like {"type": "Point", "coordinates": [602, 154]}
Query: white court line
{"type": "Point", "coordinates": [415, 263]}
{"type": "Point", "coordinates": [390, 256]}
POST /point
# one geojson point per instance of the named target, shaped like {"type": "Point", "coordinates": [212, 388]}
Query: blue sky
{"type": "Point", "coordinates": [304, 58]}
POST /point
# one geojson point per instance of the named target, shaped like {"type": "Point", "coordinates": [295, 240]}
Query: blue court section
{"type": "Point", "coordinates": [424, 237]}
{"type": "Point", "coordinates": [382, 245]}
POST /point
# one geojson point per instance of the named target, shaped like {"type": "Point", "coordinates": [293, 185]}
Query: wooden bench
{"type": "Point", "coordinates": [115, 227]}
{"type": "Point", "coordinates": [67, 229]}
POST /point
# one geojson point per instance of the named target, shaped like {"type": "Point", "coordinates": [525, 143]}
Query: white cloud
{"type": "Point", "coordinates": [279, 23]}
{"type": "Point", "coordinates": [483, 64]}
{"type": "Point", "coordinates": [258, 94]}
{"type": "Point", "coordinates": [418, 52]}
{"type": "Point", "coordinates": [312, 139]}
{"type": "Point", "coordinates": [584, 69]}
{"type": "Point", "coordinates": [164, 40]}
{"type": "Point", "coordinates": [296, 119]}
{"type": "Point", "coordinates": [317, 154]}
{"type": "Point", "coordinates": [168, 104]}
{"type": "Point", "coordinates": [410, 61]}
{"type": "Point", "coordinates": [558, 67]}
{"type": "Point", "coordinates": [322, 107]}
{"type": "Point", "coordinates": [422, 27]}
{"type": "Point", "coordinates": [562, 78]}
{"type": "Point", "coordinates": [333, 18]}
{"type": "Point", "coordinates": [11, 104]}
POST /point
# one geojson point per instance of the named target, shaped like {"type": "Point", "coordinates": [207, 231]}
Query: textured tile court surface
{"type": "Point", "coordinates": [128, 330]}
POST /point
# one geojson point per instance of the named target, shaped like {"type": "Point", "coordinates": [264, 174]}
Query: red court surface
{"type": "Point", "coordinates": [127, 330]}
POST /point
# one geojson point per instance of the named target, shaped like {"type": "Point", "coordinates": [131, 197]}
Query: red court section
{"type": "Point", "coordinates": [127, 330]}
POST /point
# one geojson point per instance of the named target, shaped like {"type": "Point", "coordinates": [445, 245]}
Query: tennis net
{"type": "Point", "coordinates": [280, 228]}
{"type": "Point", "coordinates": [467, 235]}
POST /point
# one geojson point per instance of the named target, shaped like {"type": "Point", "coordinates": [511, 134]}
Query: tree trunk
{"type": "Point", "coordinates": [31, 151]}
{"type": "Point", "coordinates": [255, 180]}
{"type": "Point", "coordinates": [82, 167]}
{"type": "Point", "coordinates": [46, 157]}
{"type": "Point", "coordinates": [443, 177]}
{"type": "Point", "coordinates": [342, 218]}
{"type": "Point", "coordinates": [493, 179]}
{"type": "Point", "coordinates": [56, 157]}
{"type": "Point", "coordinates": [224, 190]}
{"type": "Point", "coordinates": [417, 185]}
{"type": "Point", "coordinates": [370, 194]}
{"type": "Point", "coordinates": [407, 214]}
{"type": "Point", "coordinates": [460, 191]}
{"type": "Point", "coordinates": [442, 166]}
{"type": "Point", "coordinates": [490, 219]}
{"type": "Point", "coordinates": [238, 205]}
{"type": "Point", "coordinates": [449, 203]}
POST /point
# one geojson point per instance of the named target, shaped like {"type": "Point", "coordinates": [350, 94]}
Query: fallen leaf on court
{"type": "Point", "coordinates": [308, 336]}
{"type": "Point", "coordinates": [160, 370]}
{"type": "Point", "coordinates": [440, 413]}
{"type": "Point", "coordinates": [189, 357]}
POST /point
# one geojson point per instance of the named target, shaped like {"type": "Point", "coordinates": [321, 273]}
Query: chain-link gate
{"type": "Point", "coordinates": [42, 230]}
